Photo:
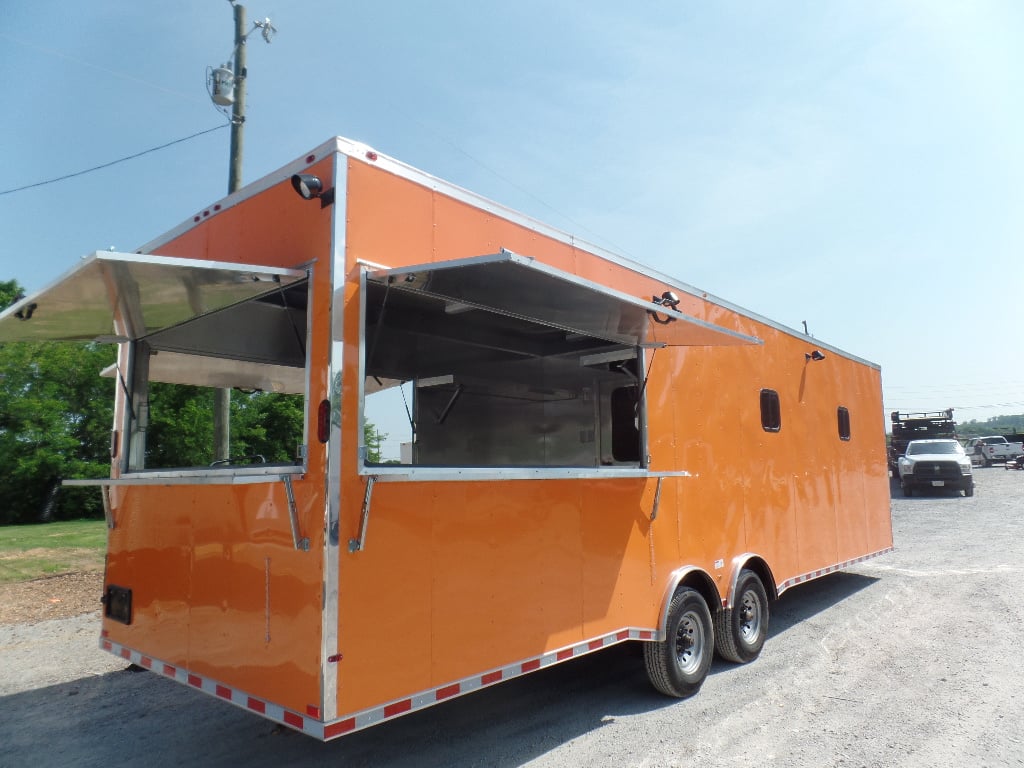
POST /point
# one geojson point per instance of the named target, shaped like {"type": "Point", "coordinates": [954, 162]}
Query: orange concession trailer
{"type": "Point", "coordinates": [592, 452]}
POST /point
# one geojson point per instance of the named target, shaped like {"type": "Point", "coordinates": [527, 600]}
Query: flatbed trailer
{"type": "Point", "coordinates": [598, 453]}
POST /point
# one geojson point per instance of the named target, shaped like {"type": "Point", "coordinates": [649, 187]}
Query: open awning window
{"type": "Point", "coordinates": [519, 287]}
{"type": "Point", "coordinates": [121, 296]}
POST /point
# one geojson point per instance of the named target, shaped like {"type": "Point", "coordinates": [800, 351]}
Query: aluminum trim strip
{"type": "Point", "coordinates": [407, 474]}
{"type": "Point", "coordinates": [188, 477]}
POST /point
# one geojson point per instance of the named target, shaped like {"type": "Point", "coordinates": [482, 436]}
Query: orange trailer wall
{"type": "Point", "coordinates": [218, 586]}
{"type": "Point", "coordinates": [461, 577]}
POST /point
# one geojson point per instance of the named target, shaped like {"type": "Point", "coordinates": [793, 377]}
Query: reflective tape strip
{"type": "Point", "coordinates": [810, 575]}
{"type": "Point", "coordinates": [311, 724]}
{"type": "Point", "coordinates": [271, 711]}
{"type": "Point", "coordinates": [374, 715]}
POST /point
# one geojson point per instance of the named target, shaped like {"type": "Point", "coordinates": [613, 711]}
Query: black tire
{"type": "Point", "coordinates": [678, 665]}
{"type": "Point", "coordinates": [969, 490]}
{"type": "Point", "coordinates": [740, 631]}
{"type": "Point", "coordinates": [907, 490]}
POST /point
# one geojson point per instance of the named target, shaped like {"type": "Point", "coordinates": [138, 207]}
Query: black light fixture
{"type": "Point", "coordinates": [310, 187]}
{"type": "Point", "coordinates": [815, 355]}
{"type": "Point", "coordinates": [667, 299]}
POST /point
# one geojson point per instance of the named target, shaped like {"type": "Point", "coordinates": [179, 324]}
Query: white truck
{"type": "Point", "coordinates": [933, 464]}
{"type": "Point", "coordinates": [993, 449]}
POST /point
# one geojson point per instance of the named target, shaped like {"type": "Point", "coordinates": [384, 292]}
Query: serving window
{"type": "Point", "coordinates": [186, 328]}
{"type": "Point", "coordinates": [256, 349]}
{"type": "Point", "coordinates": [505, 362]}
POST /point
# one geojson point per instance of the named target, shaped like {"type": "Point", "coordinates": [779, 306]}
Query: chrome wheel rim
{"type": "Point", "coordinates": [689, 643]}
{"type": "Point", "coordinates": [751, 618]}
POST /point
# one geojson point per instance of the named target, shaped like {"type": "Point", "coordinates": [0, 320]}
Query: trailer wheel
{"type": "Point", "coordinates": [740, 631]}
{"type": "Point", "coordinates": [678, 665]}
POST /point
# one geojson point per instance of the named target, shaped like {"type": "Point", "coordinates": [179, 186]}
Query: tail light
{"type": "Point", "coordinates": [323, 421]}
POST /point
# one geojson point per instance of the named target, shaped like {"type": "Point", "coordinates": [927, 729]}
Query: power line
{"type": "Point", "coordinates": [114, 72]}
{"type": "Point", "coordinates": [112, 162]}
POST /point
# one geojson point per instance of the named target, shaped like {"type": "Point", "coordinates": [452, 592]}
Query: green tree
{"type": "Point", "coordinates": [373, 440]}
{"type": "Point", "coordinates": [9, 292]}
{"type": "Point", "coordinates": [55, 418]}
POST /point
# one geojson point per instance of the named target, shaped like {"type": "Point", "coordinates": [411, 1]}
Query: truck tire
{"type": "Point", "coordinates": [677, 665]}
{"type": "Point", "coordinates": [907, 490]}
{"type": "Point", "coordinates": [969, 490]}
{"type": "Point", "coordinates": [740, 631]}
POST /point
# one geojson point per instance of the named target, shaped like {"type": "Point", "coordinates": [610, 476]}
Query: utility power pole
{"type": "Point", "coordinates": [222, 397]}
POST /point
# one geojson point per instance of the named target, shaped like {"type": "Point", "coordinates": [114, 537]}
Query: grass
{"type": "Point", "coordinates": [33, 551]}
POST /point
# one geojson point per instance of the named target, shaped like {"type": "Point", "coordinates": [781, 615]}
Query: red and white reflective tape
{"type": "Point", "coordinates": [311, 722]}
{"type": "Point", "coordinates": [810, 575]}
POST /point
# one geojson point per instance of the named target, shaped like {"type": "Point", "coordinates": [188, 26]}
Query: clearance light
{"type": "Point", "coordinates": [323, 421]}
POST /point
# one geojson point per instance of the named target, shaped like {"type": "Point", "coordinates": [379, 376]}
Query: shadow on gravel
{"type": "Point", "coordinates": [804, 601]}
{"type": "Point", "coordinates": [143, 719]}
{"type": "Point", "coordinates": [125, 718]}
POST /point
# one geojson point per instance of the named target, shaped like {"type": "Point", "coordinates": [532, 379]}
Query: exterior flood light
{"type": "Point", "coordinates": [815, 355]}
{"type": "Point", "coordinates": [667, 299]}
{"type": "Point", "coordinates": [309, 187]}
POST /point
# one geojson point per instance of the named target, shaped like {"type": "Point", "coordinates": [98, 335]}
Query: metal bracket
{"type": "Point", "coordinates": [300, 543]}
{"type": "Point", "coordinates": [357, 545]}
{"type": "Point", "coordinates": [108, 510]}
{"type": "Point", "coordinates": [657, 499]}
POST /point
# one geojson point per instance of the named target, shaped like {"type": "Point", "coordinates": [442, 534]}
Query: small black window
{"type": "Point", "coordinates": [843, 416]}
{"type": "Point", "coordinates": [771, 413]}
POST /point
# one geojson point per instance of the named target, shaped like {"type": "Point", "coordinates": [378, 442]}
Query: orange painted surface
{"type": "Point", "coordinates": [458, 578]}
{"type": "Point", "coordinates": [462, 577]}
{"type": "Point", "coordinates": [218, 587]}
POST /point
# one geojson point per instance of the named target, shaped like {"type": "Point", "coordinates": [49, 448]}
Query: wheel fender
{"type": "Point", "coordinates": [758, 565]}
{"type": "Point", "coordinates": [692, 576]}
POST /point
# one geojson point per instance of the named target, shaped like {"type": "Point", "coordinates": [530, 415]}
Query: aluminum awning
{"type": "Point", "coordinates": [122, 296]}
{"type": "Point", "coordinates": [519, 286]}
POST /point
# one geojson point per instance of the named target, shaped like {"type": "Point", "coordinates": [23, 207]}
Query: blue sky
{"type": "Point", "coordinates": [857, 165]}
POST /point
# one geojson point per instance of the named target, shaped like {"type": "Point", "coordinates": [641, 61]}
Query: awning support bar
{"type": "Point", "coordinates": [657, 499]}
{"type": "Point", "coordinates": [357, 545]}
{"type": "Point", "coordinates": [300, 543]}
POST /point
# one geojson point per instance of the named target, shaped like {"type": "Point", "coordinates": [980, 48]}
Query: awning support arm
{"type": "Point", "coordinates": [357, 545]}
{"type": "Point", "coordinates": [300, 543]}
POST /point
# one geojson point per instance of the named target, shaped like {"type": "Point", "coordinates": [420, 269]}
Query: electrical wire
{"type": "Point", "coordinates": [112, 162]}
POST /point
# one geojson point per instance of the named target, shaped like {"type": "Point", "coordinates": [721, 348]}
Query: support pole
{"type": "Point", "coordinates": [222, 397]}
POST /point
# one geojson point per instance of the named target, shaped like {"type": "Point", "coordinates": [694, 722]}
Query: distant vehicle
{"type": "Point", "coordinates": [935, 464]}
{"type": "Point", "coordinates": [1017, 463]}
{"type": "Point", "coordinates": [992, 449]}
{"type": "Point", "coordinates": [917, 426]}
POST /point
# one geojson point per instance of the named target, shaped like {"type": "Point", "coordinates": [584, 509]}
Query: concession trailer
{"type": "Point", "coordinates": [594, 452]}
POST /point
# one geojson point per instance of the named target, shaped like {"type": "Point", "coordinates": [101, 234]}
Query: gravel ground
{"type": "Point", "coordinates": [910, 659]}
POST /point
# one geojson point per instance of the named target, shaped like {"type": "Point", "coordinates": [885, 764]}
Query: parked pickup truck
{"type": "Point", "coordinates": [992, 449]}
{"type": "Point", "coordinates": [935, 464]}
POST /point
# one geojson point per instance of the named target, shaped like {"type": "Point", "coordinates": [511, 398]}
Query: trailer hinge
{"type": "Point", "coordinates": [293, 513]}
{"type": "Point", "coordinates": [357, 545]}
